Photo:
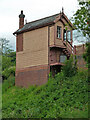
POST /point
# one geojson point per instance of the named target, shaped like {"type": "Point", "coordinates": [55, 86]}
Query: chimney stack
{"type": "Point", "coordinates": [21, 19]}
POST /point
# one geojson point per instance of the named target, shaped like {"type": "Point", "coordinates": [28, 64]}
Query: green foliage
{"type": "Point", "coordinates": [8, 83]}
{"type": "Point", "coordinates": [0, 100]}
{"type": "Point", "coordinates": [60, 97]}
{"type": "Point", "coordinates": [8, 65]}
{"type": "Point", "coordinates": [8, 72]}
{"type": "Point", "coordinates": [9, 60]}
{"type": "Point", "coordinates": [82, 19]}
{"type": "Point", "coordinates": [86, 55]}
{"type": "Point", "coordinates": [6, 62]}
{"type": "Point", "coordinates": [5, 47]}
{"type": "Point", "coordinates": [65, 96]}
{"type": "Point", "coordinates": [12, 55]}
{"type": "Point", "coordinates": [70, 67]}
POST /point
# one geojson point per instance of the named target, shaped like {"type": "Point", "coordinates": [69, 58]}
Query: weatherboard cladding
{"type": "Point", "coordinates": [37, 23]}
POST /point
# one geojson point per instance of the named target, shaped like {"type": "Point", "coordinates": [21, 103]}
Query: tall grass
{"type": "Point", "coordinates": [60, 97]}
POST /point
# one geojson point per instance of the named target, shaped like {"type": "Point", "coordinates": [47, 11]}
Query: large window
{"type": "Point", "coordinates": [63, 58]}
{"type": "Point", "coordinates": [64, 34]}
{"type": "Point", "coordinates": [59, 32]}
{"type": "Point", "coordinates": [69, 36]}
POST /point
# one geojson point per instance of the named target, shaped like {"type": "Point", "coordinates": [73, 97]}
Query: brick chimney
{"type": "Point", "coordinates": [21, 19]}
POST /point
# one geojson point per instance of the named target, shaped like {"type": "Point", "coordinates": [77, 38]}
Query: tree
{"type": "Point", "coordinates": [8, 65]}
{"type": "Point", "coordinates": [86, 55]}
{"type": "Point", "coordinates": [5, 48]}
{"type": "Point", "coordinates": [82, 19]}
{"type": "Point", "coordinates": [12, 55]}
{"type": "Point", "coordinates": [82, 24]}
{"type": "Point", "coordinates": [8, 59]}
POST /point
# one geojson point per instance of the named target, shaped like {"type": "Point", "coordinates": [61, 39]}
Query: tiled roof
{"type": "Point", "coordinates": [42, 23]}
{"type": "Point", "coordinates": [37, 23]}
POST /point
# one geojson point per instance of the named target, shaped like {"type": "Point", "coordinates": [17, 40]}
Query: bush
{"type": "Point", "coordinates": [8, 72]}
{"type": "Point", "coordinates": [70, 67]}
{"type": "Point", "coordinates": [12, 55]}
{"type": "Point", "coordinates": [8, 83]}
{"type": "Point", "coordinates": [60, 97]}
{"type": "Point", "coordinates": [6, 62]}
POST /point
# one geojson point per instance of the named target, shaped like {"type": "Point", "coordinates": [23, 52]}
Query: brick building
{"type": "Point", "coordinates": [79, 50]}
{"type": "Point", "coordinates": [41, 47]}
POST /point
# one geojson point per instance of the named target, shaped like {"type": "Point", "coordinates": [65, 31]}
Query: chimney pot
{"type": "Point", "coordinates": [21, 19]}
{"type": "Point", "coordinates": [21, 11]}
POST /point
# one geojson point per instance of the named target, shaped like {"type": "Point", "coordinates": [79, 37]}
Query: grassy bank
{"type": "Point", "coordinates": [61, 97]}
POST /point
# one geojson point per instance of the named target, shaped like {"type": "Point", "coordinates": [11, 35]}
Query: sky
{"type": "Point", "coordinates": [33, 10]}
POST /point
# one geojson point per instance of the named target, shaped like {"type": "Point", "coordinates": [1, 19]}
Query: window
{"type": "Point", "coordinates": [64, 34]}
{"type": "Point", "coordinates": [58, 32]}
{"type": "Point", "coordinates": [69, 36]}
{"type": "Point", "coordinates": [63, 58]}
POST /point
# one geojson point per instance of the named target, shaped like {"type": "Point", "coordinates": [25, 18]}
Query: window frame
{"type": "Point", "coordinates": [68, 31]}
{"type": "Point", "coordinates": [64, 34]}
{"type": "Point", "coordinates": [59, 32]}
{"type": "Point", "coordinates": [63, 58]}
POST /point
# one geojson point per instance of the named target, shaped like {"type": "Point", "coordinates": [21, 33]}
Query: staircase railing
{"type": "Point", "coordinates": [69, 47]}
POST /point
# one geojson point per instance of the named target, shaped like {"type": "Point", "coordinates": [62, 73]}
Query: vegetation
{"type": "Point", "coordinates": [82, 23]}
{"type": "Point", "coordinates": [61, 97]}
{"type": "Point", "coordinates": [7, 66]}
{"type": "Point", "coordinates": [5, 47]}
{"type": "Point", "coordinates": [8, 59]}
{"type": "Point", "coordinates": [64, 96]}
{"type": "Point", "coordinates": [70, 68]}
{"type": "Point", "coordinates": [82, 18]}
{"type": "Point", "coordinates": [86, 55]}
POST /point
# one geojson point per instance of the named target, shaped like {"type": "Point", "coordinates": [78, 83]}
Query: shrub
{"type": "Point", "coordinates": [70, 67]}
{"type": "Point", "coordinates": [6, 62]}
{"type": "Point", "coordinates": [60, 97]}
{"type": "Point", "coordinates": [8, 72]}
{"type": "Point", "coordinates": [8, 83]}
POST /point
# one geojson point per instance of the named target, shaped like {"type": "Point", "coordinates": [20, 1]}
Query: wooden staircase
{"type": "Point", "coordinates": [69, 48]}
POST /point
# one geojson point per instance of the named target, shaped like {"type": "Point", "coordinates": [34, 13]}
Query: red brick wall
{"type": "Point", "coordinates": [21, 22]}
{"type": "Point", "coordinates": [79, 50]}
{"type": "Point", "coordinates": [19, 43]}
{"type": "Point", "coordinates": [37, 75]}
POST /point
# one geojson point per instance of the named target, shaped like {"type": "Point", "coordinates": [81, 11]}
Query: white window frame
{"type": "Point", "coordinates": [59, 31]}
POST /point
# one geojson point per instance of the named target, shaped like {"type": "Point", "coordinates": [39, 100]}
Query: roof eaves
{"type": "Point", "coordinates": [68, 21]}
{"type": "Point", "coordinates": [36, 27]}
{"type": "Point", "coordinates": [59, 17]}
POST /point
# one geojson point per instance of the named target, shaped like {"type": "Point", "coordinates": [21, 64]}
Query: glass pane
{"type": "Point", "coordinates": [63, 58]}
{"type": "Point", "coordinates": [58, 31]}
{"type": "Point", "coordinates": [69, 36]}
{"type": "Point", "coordinates": [64, 34]}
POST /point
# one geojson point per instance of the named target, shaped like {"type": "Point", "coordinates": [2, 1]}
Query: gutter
{"type": "Point", "coordinates": [30, 29]}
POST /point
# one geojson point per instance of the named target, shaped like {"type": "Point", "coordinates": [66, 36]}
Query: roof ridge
{"type": "Point", "coordinates": [49, 20]}
{"type": "Point", "coordinates": [43, 18]}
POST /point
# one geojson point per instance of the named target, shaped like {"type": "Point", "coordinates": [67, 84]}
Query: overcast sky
{"type": "Point", "coordinates": [33, 9]}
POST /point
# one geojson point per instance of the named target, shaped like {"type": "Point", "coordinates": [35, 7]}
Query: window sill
{"type": "Point", "coordinates": [59, 38]}
{"type": "Point", "coordinates": [56, 63]}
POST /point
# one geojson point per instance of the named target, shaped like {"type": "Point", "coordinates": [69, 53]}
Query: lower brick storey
{"type": "Point", "coordinates": [36, 75]}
